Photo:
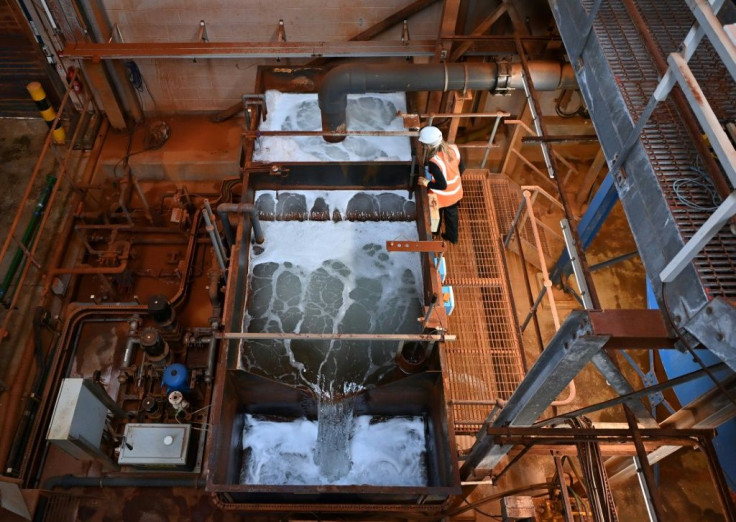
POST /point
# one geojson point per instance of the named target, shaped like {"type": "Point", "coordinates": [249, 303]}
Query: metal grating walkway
{"type": "Point", "coordinates": [485, 361]}
{"type": "Point", "coordinates": [665, 139]}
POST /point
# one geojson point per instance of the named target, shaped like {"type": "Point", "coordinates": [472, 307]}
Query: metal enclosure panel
{"type": "Point", "coordinates": [78, 420]}
{"type": "Point", "coordinates": [155, 445]}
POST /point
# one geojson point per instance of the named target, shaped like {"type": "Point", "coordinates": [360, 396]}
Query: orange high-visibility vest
{"type": "Point", "coordinates": [450, 167]}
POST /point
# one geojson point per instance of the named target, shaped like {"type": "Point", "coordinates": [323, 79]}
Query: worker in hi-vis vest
{"type": "Point", "coordinates": [443, 168]}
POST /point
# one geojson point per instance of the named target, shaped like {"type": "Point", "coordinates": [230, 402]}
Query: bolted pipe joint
{"type": "Point", "coordinates": [358, 78]}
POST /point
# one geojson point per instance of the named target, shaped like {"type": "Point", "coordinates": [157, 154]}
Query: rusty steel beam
{"type": "Point", "coordinates": [261, 50]}
{"type": "Point", "coordinates": [382, 26]}
{"type": "Point", "coordinates": [416, 246]}
{"type": "Point", "coordinates": [648, 483]}
{"type": "Point", "coordinates": [481, 28]}
{"type": "Point", "coordinates": [566, 435]}
{"type": "Point", "coordinates": [392, 20]}
{"type": "Point", "coordinates": [635, 329]}
{"type": "Point", "coordinates": [570, 138]}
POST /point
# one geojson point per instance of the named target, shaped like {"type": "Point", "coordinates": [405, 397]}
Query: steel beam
{"type": "Point", "coordinates": [646, 474]}
{"type": "Point", "coordinates": [695, 244]}
{"type": "Point", "coordinates": [717, 35]}
{"type": "Point", "coordinates": [600, 207]}
{"type": "Point", "coordinates": [260, 50]}
{"type": "Point", "coordinates": [715, 327]}
{"type": "Point", "coordinates": [622, 386]}
{"type": "Point", "coordinates": [382, 26]}
{"type": "Point", "coordinates": [706, 412]}
{"type": "Point", "coordinates": [567, 353]}
{"type": "Point", "coordinates": [639, 394]}
{"type": "Point", "coordinates": [704, 113]}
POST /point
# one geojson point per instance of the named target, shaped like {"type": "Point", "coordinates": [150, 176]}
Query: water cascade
{"type": "Point", "coordinates": [331, 277]}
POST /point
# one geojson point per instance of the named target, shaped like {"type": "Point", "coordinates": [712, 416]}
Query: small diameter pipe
{"type": "Point", "coordinates": [137, 481]}
{"type": "Point", "coordinates": [211, 356]}
{"type": "Point", "coordinates": [213, 237]}
{"type": "Point", "coordinates": [217, 235]}
{"type": "Point", "coordinates": [130, 343]}
{"type": "Point", "coordinates": [28, 235]}
{"type": "Point", "coordinates": [243, 208]}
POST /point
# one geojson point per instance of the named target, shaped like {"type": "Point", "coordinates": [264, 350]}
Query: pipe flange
{"type": "Point", "coordinates": [503, 76]}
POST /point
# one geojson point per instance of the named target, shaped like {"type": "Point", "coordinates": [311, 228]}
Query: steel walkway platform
{"type": "Point", "coordinates": [658, 188]}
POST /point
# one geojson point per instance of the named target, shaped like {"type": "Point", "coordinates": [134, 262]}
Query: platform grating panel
{"type": "Point", "coordinates": [667, 143]}
{"type": "Point", "coordinates": [484, 363]}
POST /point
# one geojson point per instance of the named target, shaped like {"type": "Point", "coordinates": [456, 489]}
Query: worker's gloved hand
{"type": "Point", "coordinates": [422, 181]}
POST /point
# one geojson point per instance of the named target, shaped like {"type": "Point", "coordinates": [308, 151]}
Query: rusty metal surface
{"type": "Point", "coordinates": [416, 246]}
{"type": "Point", "coordinates": [485, 361]}
{"type": "Point", "coordinates": [631, 328]}
{"type": "Point", "coordinates": [191, 50]}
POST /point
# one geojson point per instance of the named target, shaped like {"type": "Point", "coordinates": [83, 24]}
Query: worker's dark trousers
{"type": "Point", "coordinates": [449, 216]}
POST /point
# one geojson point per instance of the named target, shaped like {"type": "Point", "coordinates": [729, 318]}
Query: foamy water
{"type": "Point", "coordinates": [325, 277]}
{"type": "Point", "coordinates": [383, 452]}
{"type": "Point", "coordinates": [292, 111]}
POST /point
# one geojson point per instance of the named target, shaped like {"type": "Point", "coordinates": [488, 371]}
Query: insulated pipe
{"type": "Point", "coordinates": [224, 209]}
{"type": "Point", "coordinates": [360, 78]}
{"type": "Point", "coordinates": [71, 481]}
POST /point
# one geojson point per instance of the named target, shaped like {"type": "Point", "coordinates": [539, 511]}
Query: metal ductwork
{"type": "Point", "coordinates": [360, 78]}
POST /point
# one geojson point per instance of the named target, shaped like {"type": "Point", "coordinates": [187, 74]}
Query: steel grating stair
{"type": "Point", "coordinates": [485, 362]}
{"type": "Point", "coordinates": [617, 76]}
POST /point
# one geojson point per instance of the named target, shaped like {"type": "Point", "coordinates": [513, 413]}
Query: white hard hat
{"type": "Point", "coordinates": [431, 136]}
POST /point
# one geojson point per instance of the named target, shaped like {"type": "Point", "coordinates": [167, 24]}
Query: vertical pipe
{"type": "Point", "coordinates": [28, 236]}
{"type": "Point", "coordinates": [217, 235]}
{"type": "Point", "coordinates": [215, 246]}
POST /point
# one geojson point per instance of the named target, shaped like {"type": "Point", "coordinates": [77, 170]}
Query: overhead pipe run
{"type": "Point", "coordinates": [359, 78]}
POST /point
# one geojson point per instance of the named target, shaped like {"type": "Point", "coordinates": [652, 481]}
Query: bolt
{"type": "Point", "coordinates": [709, 310]}
{"type": "Point", "coordinates": [719, 336]}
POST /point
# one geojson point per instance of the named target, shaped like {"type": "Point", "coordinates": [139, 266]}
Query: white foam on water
{"type": "Point", "coordinates": [327, 265]}
{"type": "Point", "coordinates": [385, 452]}
{"type": "Point", "coordinates": [365, 112]}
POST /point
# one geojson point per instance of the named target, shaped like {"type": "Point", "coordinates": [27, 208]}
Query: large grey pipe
{"type": "Point", "coordinates": [359, 78]}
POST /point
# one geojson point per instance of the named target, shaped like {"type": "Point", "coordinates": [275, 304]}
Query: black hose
{"type": "Point", "coordinates": [123, 481]}
{"type": "Point", "coordinates": [38, 316]}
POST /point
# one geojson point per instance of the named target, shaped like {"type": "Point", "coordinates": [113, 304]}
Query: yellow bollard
{"type": "Point", "coordinates": [47, 111]}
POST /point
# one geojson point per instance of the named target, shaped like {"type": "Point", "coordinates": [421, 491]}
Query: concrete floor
{"type": "Point", "coordinates": [21, 142]}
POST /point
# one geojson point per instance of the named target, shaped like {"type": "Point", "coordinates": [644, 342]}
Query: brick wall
{"type": "Point", "coordinates": [183, 85]}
